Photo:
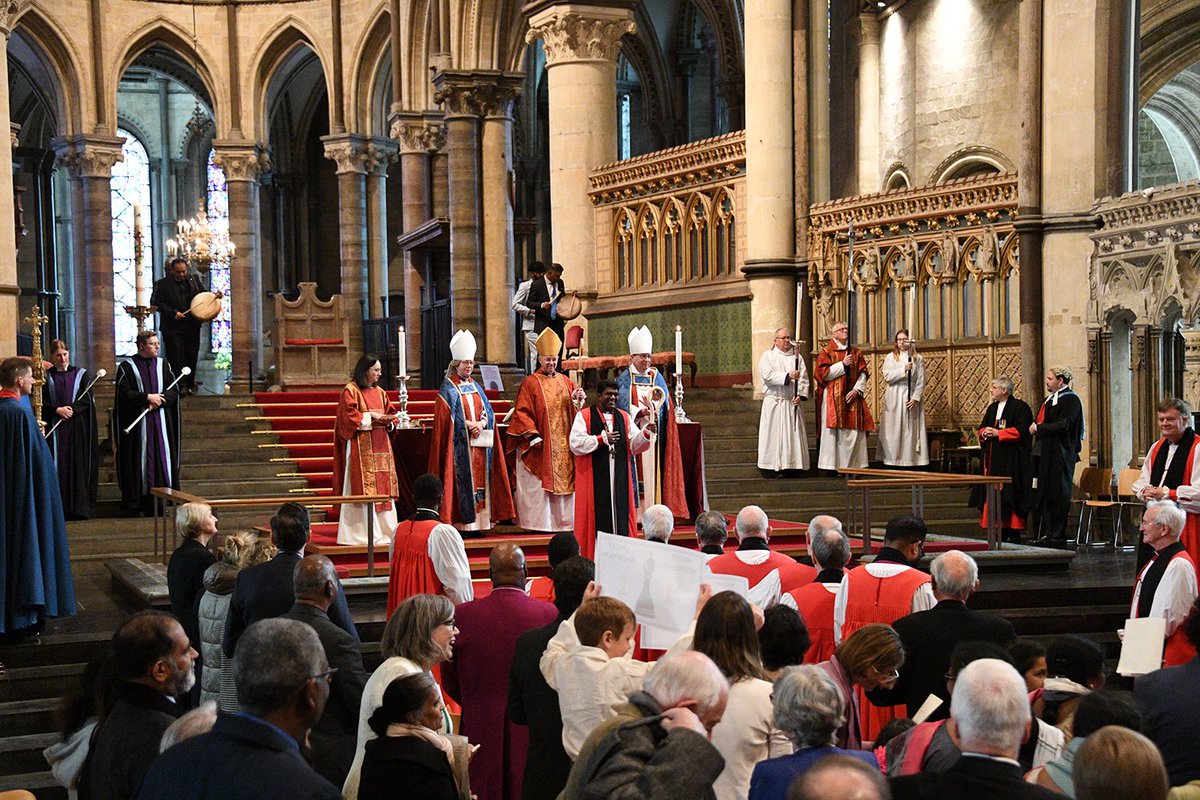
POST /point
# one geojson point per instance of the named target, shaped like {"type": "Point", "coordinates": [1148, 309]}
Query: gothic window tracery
{"type": "Point", "coordinates": [130, 187]}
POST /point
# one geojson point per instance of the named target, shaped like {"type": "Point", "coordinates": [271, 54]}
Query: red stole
{"type": "Point", "coordinates": [372, 467]}
{"type": "Point", "coordinates": [831, 394]}
{"type": "Point", "coordinates": [585, 493]}
{"type": "Point", "coordinates": [815, 604]}
{"type": "Point", "coordinates": [411, 570]}
{"type": "Point", "coordinates": [1191, 528]}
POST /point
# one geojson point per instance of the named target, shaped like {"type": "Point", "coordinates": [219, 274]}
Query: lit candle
{"type": "Point", "coordinates": [141, 292]}
{"type": "Point", "coordinates": [232, 250]}
{"type": "Point", "coordinates": [678, 350]}
{"type": "Point", "coordinates": [172, 248]}
{"type": "Point", "coordinates": [402, 370]}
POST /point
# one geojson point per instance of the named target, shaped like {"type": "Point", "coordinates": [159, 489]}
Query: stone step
{"type": "Point", "coordinates": [1058, 620]}
{"type": "Point", "coordinates": [23, 754]}
{"type": "Point", "coordinates": [51, 680]}
{"type": "Point", "coordinates": [25, 717]}
{"type": "Point", "coordinates": [43, 784]}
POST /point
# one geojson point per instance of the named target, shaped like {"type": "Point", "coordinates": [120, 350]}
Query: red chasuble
{"type": "Point", "coordinates": [544, 408]}
{"type": "Point", "coordinates": [372, 468]}
{"type": "Point", "coordinates": [831, 394]}
{"type": "Point", "coordinates": [412, 571]}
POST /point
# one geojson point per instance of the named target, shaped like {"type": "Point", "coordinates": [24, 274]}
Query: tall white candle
{"type": "Point", "coordinates": [799, 305]}
{"type": "Point", "coordinates": [678, 350]}
{"type": "Point", "coordinates": [402, 370]}
{"type": "Point", "coordinates": [912, 311]}
{"type": "Point", "coordinates": [141, 291]}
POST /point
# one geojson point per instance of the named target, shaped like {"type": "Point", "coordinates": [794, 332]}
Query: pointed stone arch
{"type": "Point", "coordinates": [49, 42]}
{"type": "Point", "coordinates": [372, 58]}
{"type": "Point", "coordinates": [272, 52]}
{"type": "Point", "coordinates": [168, 34]}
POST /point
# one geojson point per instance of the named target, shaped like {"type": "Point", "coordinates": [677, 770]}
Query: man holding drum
{"type": "Point", "coordinates": [180, 328]}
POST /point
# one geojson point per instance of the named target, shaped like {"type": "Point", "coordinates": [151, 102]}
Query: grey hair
{"type": "Point", "coordinates": [830, 552]}
{"type": "Point", "coordinates": [808, 705]}
{"type": "Point", "coordinates": [274, 659]}
{"type": "Point", "coordinates": [307, 582]}
{"type": "Point", "coordinates": [1168, 513]}
{"type": "Point", "coordinates": [686, 676]}
{"type": "Point", "coordinates": [954, 574]}
{"type": "Point", "coordinates": [712, 528]}
{"type": "Point", "coordinates": [195, 722]}
{"type": "Point", "coordinates": [657, 523]}
{"type": "Point", "coordinates": [409, 632]}
{"type": "Point", "coordinates": [1005, 383]}
{"type": "Point", "coordinates": [990, 705]}
{"type": "Point", "coordinates": [189, 517]}
{"type": "Point", "coordinates": [752, 522]}
{"type": "Point", "coordinates": [1178, 405]}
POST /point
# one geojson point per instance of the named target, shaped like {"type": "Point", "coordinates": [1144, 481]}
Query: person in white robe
{"type": "Point", "coordinates": [902, 439]}
{"type": "Point", "coordinates": [782, 438]}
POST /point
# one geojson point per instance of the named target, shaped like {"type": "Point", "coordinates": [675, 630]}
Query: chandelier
{"type": "Point", "coordinates": [199, 243]}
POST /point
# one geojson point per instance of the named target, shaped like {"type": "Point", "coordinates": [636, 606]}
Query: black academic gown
{"type": "Point", "coordinates": [1009, 458]}
{"type": "Point", "coordinates": [35, 564]}
{"type": "Point", "coordinates": [1056, 448]}
{"type": "Point", "coordinates": [73, 443]}
{"type": "Point", "coordinates": [134, 472]}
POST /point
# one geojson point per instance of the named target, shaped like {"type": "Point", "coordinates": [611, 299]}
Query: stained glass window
{"type": "Point", "coordinates": [130, 187]}
{"type": "Point", "coordinates": [218, 221]}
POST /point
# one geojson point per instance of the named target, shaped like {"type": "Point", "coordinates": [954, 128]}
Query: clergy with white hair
{"type": "Point", "coordinates": [782, 439]}
{"type": "Point", "coordinates": [463, 452]}
{"type": "Point", "coordinates": [843, 418]}
{"type": "Point", "coordinates": [643, 394]}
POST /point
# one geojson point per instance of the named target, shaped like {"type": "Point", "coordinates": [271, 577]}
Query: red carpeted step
{"type": "Point", "coordinates": [308, 465]}
{"type": "Point", "coordinates": [310, 437]}
{"type": "Point", "coordinates": [307, 450]}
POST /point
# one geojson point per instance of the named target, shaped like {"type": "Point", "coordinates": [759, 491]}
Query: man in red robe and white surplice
{"type": "Point", "coordinates": [604, 439]}
{"type": "Point", "coordinates": [427, 555]}
{"type": "Point", "coordinates": [362, 456]}
{"type": "Point", "coordinates": [539, 431]}
{"type": "Point", "coordinates": [843, 419]}
{"type": "Point", "coordinates": [463, 452]}
{"type": "Point", "coordinates": [1171, 471]}
{"type": "Point", "coordinates": [769, 573]}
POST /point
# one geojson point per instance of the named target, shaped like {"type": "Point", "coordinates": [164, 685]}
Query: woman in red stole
{"type": "Point", "coordinates": [362, 455]}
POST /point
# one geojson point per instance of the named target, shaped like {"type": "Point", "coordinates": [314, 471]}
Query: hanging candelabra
{"type": "Point", "coordinates": [199, 243]}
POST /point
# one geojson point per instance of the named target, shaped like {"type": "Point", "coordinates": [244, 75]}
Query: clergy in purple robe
{"type": "Point", "coordinates": [477, 677]}
{"type": "Point", "coordinates": [147, 456]}
{"type": "Point", "coordinates": [35, 570]}
{"type": "Point", "coordinates": [68, 410]}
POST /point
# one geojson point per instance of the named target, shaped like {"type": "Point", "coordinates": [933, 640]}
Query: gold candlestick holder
{"type": "Point", "coordinates": [140, 313]}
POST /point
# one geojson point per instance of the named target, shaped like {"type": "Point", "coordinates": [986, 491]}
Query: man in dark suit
{"type": "Point", "coordinates": [487, 638]}
{"type": "Point", "coordinates": [173, 295]}
{"type": "Point", "coordinates": [1172, 701]}
{"type": "Point", "coordinates": [543, 299]}
{"type": "Point", "coordinates": [990, 709]}
{"type": "Point", "coordinates": [152, 663]}
{"type": "Point", "coordinates": [929, 637]}
{"type": "Point", "coordinates": [283, 684]}
{"type": "Point", "coordinates": [532, 702]}
{"type": "Point", "coordinates": [265, 590]}
{"type": "Point", "coordinates": [334, 737]}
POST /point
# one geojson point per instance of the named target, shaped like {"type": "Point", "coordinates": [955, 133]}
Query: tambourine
{"type": "Point", "coordinates": [205, 306]}
{"type": "Point", "coordinates": [569, 306]}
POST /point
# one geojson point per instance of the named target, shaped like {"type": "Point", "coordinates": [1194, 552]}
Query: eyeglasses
{"type": "Point", "coordinates": [327, 675]}
{"type": "Point", "coordinates": [886, 677]}
{"type": "Point", "coordinates": [448, 623]}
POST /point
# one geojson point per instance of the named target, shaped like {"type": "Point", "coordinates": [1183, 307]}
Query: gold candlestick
{"type": "Point", "coordinates": [36, 320]}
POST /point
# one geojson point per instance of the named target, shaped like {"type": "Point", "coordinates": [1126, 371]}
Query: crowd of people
{"type": "Point", "coordinates": [822, 680]}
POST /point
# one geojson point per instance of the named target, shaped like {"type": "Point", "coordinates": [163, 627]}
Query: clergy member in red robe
{"type": "Point", "coordinates": [476, 678]}
{"type": "Point", "coordinates": [428, 556]}
{"type": "Point", "coordinates": [463, 454]}
{"type": "Point", "coordinates": [604, 439]}
{"type": "Point", "coordinates": [539, 431]}
{"type": "Point", "coordinates": [843, 419]}
{"type": "Point", "coordinates": [770, 574]}
{"type": "Point", "coordinates": [362, 455]}
{"type": "Point", "coordinates": [1171, 471]}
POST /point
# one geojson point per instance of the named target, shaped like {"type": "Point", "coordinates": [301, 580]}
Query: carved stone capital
{"type": "Point", "coordinates": [496, 98]}
{"type": "Point", "coordinates": [477, 93]}
{"type": "Point", "coordinates": [9, 10]}
{"type": "Point", "coordinates": [349, 151]}
{"type": "Point", "coordinates": [380, 153]}
{"type": "Point", "coordinates": [572, 33]}
{"type": "Point", "coordinates": [417, 133]}
{"type": "Point", "coordinates": [241, 160]}
{"type": "Point", "coordinates": [865, 29]}
{"type": "Point", "coordinates": [88, 156]}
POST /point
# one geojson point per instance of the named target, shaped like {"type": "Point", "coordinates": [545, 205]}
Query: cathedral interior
{"type": "Point", "coordinates": [1014, 181]}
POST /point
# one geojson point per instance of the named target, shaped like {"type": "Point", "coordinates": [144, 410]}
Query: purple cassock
{"type": "Point", "coordinates": [477, 679]}
{"type": "Point", "coordinates": [147, 456]}
{"type": "Point", "coordinates": [73, 443]}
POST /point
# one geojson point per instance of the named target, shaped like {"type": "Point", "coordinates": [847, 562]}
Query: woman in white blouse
{"type": "Point", "coordinates": [419, 636]}
{"type": "Point", "coordinates": [725, 632]}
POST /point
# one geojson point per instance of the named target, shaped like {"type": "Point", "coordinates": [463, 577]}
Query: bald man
{"type": "Point", "coordinates": [335, 735]}
{"type": "Point", "coordinates": [782, 439]}
{"type": "Point", "coordinates": [488, 630]}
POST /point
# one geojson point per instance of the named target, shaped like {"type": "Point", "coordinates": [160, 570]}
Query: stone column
{"type": "Point", "coordinates": [457, 93]}
{"type": "Point", "coordinates": [89, 161]}
{"type": "Point", "coordinates": [770, 189]}
{"type": "Point", "coordinates": [498, 246]}
{"type": "Point", "coordinates": [9, 290]}
{"type": "Point", "coordinates": [243, 162]}
{"type": "Point", "coordinates": [866, 101]}
{"type": "Point", "coordinates": [381, 153]}
{"type": "Point", "coordinates": [1191, 366]}
{"type": "Point", "coordinates": [581, 44]}
{"type": "Point", "coordinates": [1028, 222]}
{"type": "Point", "coordinates": [1145, 365]}
{"type": "Point", "coordinates": [349, 150]}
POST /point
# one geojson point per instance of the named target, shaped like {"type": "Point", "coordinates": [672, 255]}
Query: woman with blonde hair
{"type": "Point", "coordinates": [419, 635]}
{"type": "Point", "coordinates": [869, 658]}
{"type": "Point", "coordinates": [196, 523]}
{"type": "Point", "coordinates": [241, 550]}
{"type": "Point", "coordinates": [902, 441]}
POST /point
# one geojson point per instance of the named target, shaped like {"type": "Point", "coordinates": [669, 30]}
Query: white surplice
{"type": "Point", "coordinates": [782, 438]}
{"type": "Point", "coordinates": [902, 439]}
{"type": "Point", "coordinates": [841, 447]}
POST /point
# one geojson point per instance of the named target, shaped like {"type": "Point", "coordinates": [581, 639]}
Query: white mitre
{"type": "Point", "coordinates": [640, 341]}
{"type": "Point", "coordinates": [462, 346]}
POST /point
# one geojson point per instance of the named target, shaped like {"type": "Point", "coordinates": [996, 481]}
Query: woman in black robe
{"type": "Point", "coordinates": [1005, 441]}
{"type": "Point", "coordinates": [67, 402]}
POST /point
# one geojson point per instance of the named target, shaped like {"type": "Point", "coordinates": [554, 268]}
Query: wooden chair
{"type": "Point", "coordinates": [1125, 496]}
{"type": "Point", "coordinates": [312, 340]}
{"type": "Point", "coordinates": [1096, 486]}
{"type": "Point", "coordinates": [573, 344]}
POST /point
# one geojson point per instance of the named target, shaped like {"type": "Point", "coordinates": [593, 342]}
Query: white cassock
{"type": "Point", "coordinates": [902, 440]}
{"type": "Point", "coordinates": [647, 461]}
{"type": "Point", "coordinates": [782, 439]}
{"type": "Point", "coordinates": [584, 443]}
{"type": "Point", "coordinates": [841, 447]}
{"type": "Point", "coordinates": [352, 518]}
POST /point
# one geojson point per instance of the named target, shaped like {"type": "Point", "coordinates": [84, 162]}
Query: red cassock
{"type": "Point", "coordinates": [871, 599]}
{"type": "Point", "coordinates": [441, 461]}
{"type": "Point", "coordinates": [477, 678]}
{"type": "Point", "coordinates": [792, 574]}
{"type": "Point", "coordinates": [585, 500]}
{"type": "Point", "coordinates": [411, 569]}
{"type": "Point", "coordinates": [815, 604]}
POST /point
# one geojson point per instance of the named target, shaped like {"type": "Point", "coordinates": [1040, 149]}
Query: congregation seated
{"type": "Point", "coordinates": [1096, 710]}
{"type": "Point", "coordinates": [770, 573]}
{"type": "Point", "coordinates": [1075, 666]}
{"type": "Point", "coordinates": [408, 751]}
{"type": "Point", "coordinates": [1029, 657]}
{"type": "Point", "coordinates": [1172, 701]}
{"type": "Point", "coordinates": [658, 523]}
{"type": "Point", "coordinates": [712, 529]}
{"type": "Point", "coordinates": [283, 684]}
{"type": "Point", "coordinates": [1117, 763]}
{"type": "Point", "coordinates": [830, 550]}
{"type": "Point", "coordinates": [809, 709]}
{"type": "Point", "coordinates": [783, 640]}
{"type": "Point", "coordinates": [562, 545]}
